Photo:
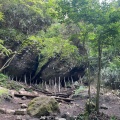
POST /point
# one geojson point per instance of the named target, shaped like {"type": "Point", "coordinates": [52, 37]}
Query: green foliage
{"type": "Point", "coordinates": [79, 90]}
{"type": "Point", "coordinates": [3, 91]}
{"type": "Point", "coordinates": [28, 16]}
{"type": "Point", "coordinates": [3, 49]}
{"type": "Point", "coordinates": [105, 20]}
{"type": "Point", "coordinates": [52, 44]}
{"type": "Point", "coordinates": [3, 80]}
{"type": "Point", "coordinates": [84, 116]}
{"type": "Point", "coordinates": [1, 16]}
{"type": "Point", "coordinates": [111, 75]}
{"type": "Point", "coordinates": [113, 118]}
{"type": "Point", "coordinates": [13, 40]}
{"type": "Point", "coordinates": [115, 64]}
{"type": "Point", "coordinates": [12, 85]}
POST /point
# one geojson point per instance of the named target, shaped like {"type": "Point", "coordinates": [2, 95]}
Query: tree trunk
{"type": "Point", "coordinates": [88, 74]}
{"type": "Point", "coordinates": [99, 75]}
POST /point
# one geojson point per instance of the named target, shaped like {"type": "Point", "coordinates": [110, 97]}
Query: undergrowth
{"type": "Point", "coordinates": [6, 83]}
{"type": "Point", "coordinates": [80, 89]}
{"type": "Point", "coordinates": [3, 80]}
{"type": "Point", "coordinates": [3, 91]}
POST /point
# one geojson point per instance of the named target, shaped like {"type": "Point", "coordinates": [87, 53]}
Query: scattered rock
{"type": "Point", "coordinates": [21, 112]}
{"type": "Point", "coordinates": [6, 111]}
{"type": "Point", "coordinates": [103, 106]}
{"type": "Point", "coordinates": [59, 118]}
{"type": "Point", "coordinates": [11, 93]}
{"type": "Point", "coordinates": [47, 118]}
{"type": "Point", "coordinates": [24, 98]}
{"type": "Point", "coordinates": [98, 116]}
{"type": "Point", "coordinates": [66, 116]}
{"type": "Point", "coordinates": [43, 106]}
{"type": "Point", "coordinates": [76, 84]}
{"type": "Point", "coordinates": [34, 92]}
{"type": "Point", "coordinates": [33, 119]}
{"type": "Point", "coordinates": [23, 92]}
{"type": "Point", "coordinates": [9, 111]}
{"type": "Point", "coordinates": [2, 110]}
{"type": "Point", "coordinates": [43, 118]}
{"type": "Point", "coordinates": [23, 106]}
{"type": "Point", "coordinates": [22, 89]}
{"type": "Point", "coordinates": [18, 118]}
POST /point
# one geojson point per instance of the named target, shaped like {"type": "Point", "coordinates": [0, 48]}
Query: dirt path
{"type": "Point", "coordinates": [109, 100]}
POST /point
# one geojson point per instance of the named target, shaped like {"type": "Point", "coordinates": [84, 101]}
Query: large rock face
{"type": "Point", "coordinates": [26, 64]}
{"type": "Point", "coordinates": [62, 69]}
{"type": "Point", "coordinates": [43, 106]}
{"type": "Point", "coordinates": [23, 64]}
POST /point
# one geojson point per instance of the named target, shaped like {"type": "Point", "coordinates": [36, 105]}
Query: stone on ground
{"type": "Point", "coordinates": [21, 112]}
{"type": "Point", "coordinates": [43, 106]}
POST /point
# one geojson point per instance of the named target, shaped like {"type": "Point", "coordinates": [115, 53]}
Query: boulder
{"type": "Point", "coordinates": [43, 106]}
{"type": "Point", "coordinates": [68, 69]}
{"type": "Point", "coordinates": [23, 64]}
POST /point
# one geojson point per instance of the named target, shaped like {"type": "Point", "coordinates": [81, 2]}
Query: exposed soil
{"type": "Point", "coordinates": [109, 101]}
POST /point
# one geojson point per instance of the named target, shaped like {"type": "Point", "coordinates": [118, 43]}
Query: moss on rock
{"type": "Point", "coordinates": [43, 106]}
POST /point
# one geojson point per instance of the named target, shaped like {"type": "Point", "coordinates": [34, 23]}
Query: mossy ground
{"type": "Point", "coordinates": [3, 91]}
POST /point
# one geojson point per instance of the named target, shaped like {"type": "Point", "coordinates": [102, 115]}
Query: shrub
{"type": "Point", "coordinates": [111, 77]}
{"type": "Point", "coordinates": [3, 80]}
{"type": "Point", "coordinates": [3, 91]}
{"type": "Point", "coordinates": [80, 89]}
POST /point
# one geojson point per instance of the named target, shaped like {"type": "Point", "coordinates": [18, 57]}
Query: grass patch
{"type": "Point", "coordinates": [3, 80]}
{"type": "Point", "coordinates": [80, 89]}
{"type": "Point", "coordinates": [3, 91]}
{"type": "Point", "coordinates": [13, 85]}
{"type": "Point", "coordinates": [8, 84]}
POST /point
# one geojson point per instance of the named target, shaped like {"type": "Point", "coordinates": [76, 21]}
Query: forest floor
{"type": "Point", "coordinates": [109, 105]}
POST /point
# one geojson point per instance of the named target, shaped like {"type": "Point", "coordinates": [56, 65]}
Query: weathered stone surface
{"type": "Point", "coordinates": [68, 68]}
{"type": "Point", "coordinates": [20, 112]}
{"type": "Point", "coordinates": [6, 111]}
{"type": "Point", "coordinates": [34, 119]}
{"type": "Point", "coordinates": [61, 68]}
{"type": "Point", "coordinates": [24, 98]}
{"type": "Point", "coordinates": [43, 106]}
{"type": "Point", "coordinates": [18, 118]}
{"type": "Point", "coordinates": [23, 63]}
{"type": "Point", "coordinates": [24, 106]}
{"type": "Point", "coordinates": [103, 106]}
{"type": "Point", "coordinates": [2, 110]}
{"type": "Point", "coordinates": [59, 118]}
{"type": "Point", "coordinates": [9, 111]}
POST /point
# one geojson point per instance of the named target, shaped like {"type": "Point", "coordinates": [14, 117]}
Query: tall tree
{"type": "Point", "coordinates": [101, 15]}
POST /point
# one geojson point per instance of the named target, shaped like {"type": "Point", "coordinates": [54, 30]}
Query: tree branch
{"type": "Point", "coordinates": [8, 62]}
